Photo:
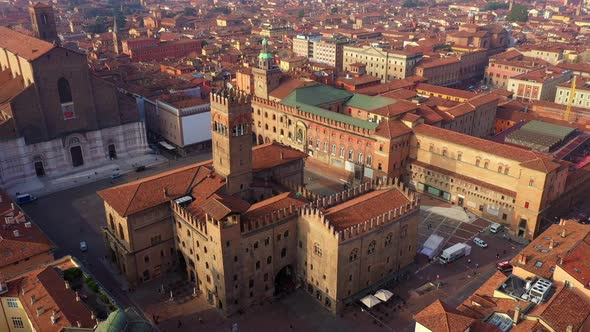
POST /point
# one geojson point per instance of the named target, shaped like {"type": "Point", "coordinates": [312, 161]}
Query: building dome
{"type": "Point", "coordinates": [265, 56]}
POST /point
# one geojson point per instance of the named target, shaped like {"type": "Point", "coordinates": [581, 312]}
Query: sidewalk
{"type": "Point", "coordinates": [47, 185]}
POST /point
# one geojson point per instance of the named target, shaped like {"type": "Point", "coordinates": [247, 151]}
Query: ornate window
{"type": "Point", "coordinates": [369, 160]}
{"type": "Point", "coordinates": [333, 149]}
{"type": "Point", "coordinates": [477, 161]}
{"type": "Point", "coordinates": [500, 168]}
{"type": "Point", "coordinates": [506, 170]}
{"type": "Point", "coordinates": [341, 152]}
{"type": "Point", "coordinates": [350, 155]}
{"type": "Point", "coordinates": [317, 250]}
{"type": "Point", "coordinates": [353, 255]}
{"type": "Point", "coordinates": [299, 135]}
{"type": "Point", "coordinates": [388, 239]}
{"type": "Point", "coordinates": [360, 158]}
{"type": "Point", "coordinates": [371, 249]}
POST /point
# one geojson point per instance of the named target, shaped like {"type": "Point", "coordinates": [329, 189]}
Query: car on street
{"type": "Point", "coordinates": [83, 246]}
{"type": "Point", "coordinates": [115, 175]}
{"type": "Point", "coordinates": [480, 243]}
{"type": "Point", "coordinates": [25, 198]}
{"type": "Point", "coordinates": [140, 168]}
{"type": "Point", "coordinates": [504, 266]}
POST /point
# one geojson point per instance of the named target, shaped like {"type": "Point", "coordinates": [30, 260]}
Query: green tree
{"type": "Point", "coordinates": [300, 13]}
{"type": "Point", "coordinates": [519, 13]}
{"type": "Point", "coordinates": [495, 5]}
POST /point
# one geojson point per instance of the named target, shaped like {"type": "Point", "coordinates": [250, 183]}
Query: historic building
{"type": "Point", "coordinates": [387, 65]}
{"type": "Point", "coordinates": [243, 236]}
{"type": "Point", "coordinates": [503, 183]}
{"type": "Point", "coordinates": [55, 116]}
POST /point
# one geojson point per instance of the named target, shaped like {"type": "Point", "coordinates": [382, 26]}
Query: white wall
{"type": "Point", "coordinates": [196, 128]}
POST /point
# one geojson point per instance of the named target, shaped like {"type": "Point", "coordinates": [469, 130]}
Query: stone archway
{"type": "Point", "coordinates": [76, 155]}
{"type": "Point", "coordinates": [284, 280]}
{"type": "Point", "coordinates": [112, 151]}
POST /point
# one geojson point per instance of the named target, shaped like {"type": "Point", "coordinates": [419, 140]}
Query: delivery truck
{"type": "Point", "coordinates": [454, 252]}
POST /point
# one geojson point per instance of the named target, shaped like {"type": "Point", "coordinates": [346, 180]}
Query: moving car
{"type": "Point", "coordinates": [495, 227]}
{"type": "Point", "coordinates": [504, 266]}
{"type": "Point", "coordinates": [480, 243]}
{"type": "Point", "coordinates": [83, 246]}
{"type": "Point", "coordinates": [115, 175]}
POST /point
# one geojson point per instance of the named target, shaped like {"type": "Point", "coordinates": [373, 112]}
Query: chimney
{"type": "Point", "coordinates": [67, 284]}
{"type": "Point", "coordinates": [551, 244]}
{"type": "Point", "coordinates": [12, 206]}
{"type": "Point", "coordinates": [561, 261]}
{"type": "Point", "coordinates": [33, 299]}
{"type": "Point", "coordinates": [523, 259]}
{"type": "Point", "coordinates": [569, 328]}
{"type": "Point", "coordinates": [563, 233]}
{"type": "Point", "coordinates": [53, 319]}
{"type": "Point", "coordinates": [516, 318]}
{"type": "Point", "coordinates": [92, 315]}
{"type": "Point", "coordinates": [78, 323]}
{"type": "Point", "coordinates": [77, 297]}
{"type": "Point", "coordinates": [165, 192]}
{"type": "Point", "coordinates": [22, 291]}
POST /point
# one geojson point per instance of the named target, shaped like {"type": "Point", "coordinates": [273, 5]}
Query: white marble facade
{"type": "Point", "coordinates": [20, 162]}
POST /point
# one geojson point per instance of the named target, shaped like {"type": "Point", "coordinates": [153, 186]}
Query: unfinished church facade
{"type": "Point", "coordinates": [55, 116]}
{"type": "Point", "coordinates": [244, 228]}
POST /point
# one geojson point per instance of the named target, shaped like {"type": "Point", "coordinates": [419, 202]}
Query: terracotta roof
{"type": "Point", "coordinates": [30, 241]}
{"type": "Point", "coordinates": [527, 158]}
{"type": "Point", "coordinates": [273, 154]}
{"type": "Point", "coordinates": [285, 88]}
{"type": "Point", "coordinates": [142, 194]}
{"type": "Point", "coordinates": [284, 200]}
{"type": "Point", "coordinates": [576, 262]}
{"type": "Point", "coordinates": [25, 46]}
{"type": "Point", "coordinates": [538, 250]}
{"type": "Point", "coordinates": [364, 207]}
{"type": "Point", "coordinates": [445, 91]}
{"type": "Point", "coordinates": [564, 309]}
{"type": "Point", "coordinates": [392, 128]}
{"type": "Point", "coordinates": [440, 317]}
{"type": "Point", "coordinates": [219, 206]}
{"type": "Point", "coordinates": [50, 293]}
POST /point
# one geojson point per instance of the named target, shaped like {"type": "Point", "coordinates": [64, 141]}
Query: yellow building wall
{"type": "Point", "coordinates": [6, 323]}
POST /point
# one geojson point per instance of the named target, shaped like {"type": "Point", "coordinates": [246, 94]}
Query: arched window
{"type": "Point", "coordinates": [360, 158]}
{"type": "Point", "coordinates": [317, 250]}
{"type": "Point", "coordinates": [121, 234]}
{"type": "Point", "coordinates": [353, 255]}
{"type": "Point", "coordinates": [350, 155]}
{"type": "Point", "coordinates": [369, 160]}
{"type": "Point", "coordinates": [65, 94]}
{"type": "Point", "coordinates": [371, 248]}
{"type": "Point", "coordinates": [299, 135]}
{"type": "Point", "coordinates": [388, 239]}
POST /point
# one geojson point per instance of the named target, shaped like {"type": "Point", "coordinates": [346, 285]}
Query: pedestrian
{"type": "Point", "coordinates": [200, 320]}
{"type": "Point", "coordinates": [179, 324]}
{"type": "Point", "coordinates": [469, 261]}
{"type": "Point", "coordinates": [497, 255]}
{"type": "Point", "coordinates": [476, 265]}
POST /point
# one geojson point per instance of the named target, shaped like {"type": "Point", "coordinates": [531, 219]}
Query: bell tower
{"type": "Point", "coordinates": [231, 120]}
{"type": "Point", "coordinates": [116, 41]}
{"type": "Point", "coordinates": [267, 76]}
{"type": "Point", "coordinates": [43, 21]}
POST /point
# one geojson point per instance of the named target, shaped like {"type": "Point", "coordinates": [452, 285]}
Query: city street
{"type": "Point", "coordinates": [77, 214]}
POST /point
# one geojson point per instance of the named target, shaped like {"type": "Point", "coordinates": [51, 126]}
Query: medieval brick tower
{"type": "Point", "coordinates": [116, 40]}
{"type": "Point", "coordinates": [267, 76]}
{"type": "Point", "coordinates": [231, 119]}
{"type": "Point", "coordinates": [43, 21]}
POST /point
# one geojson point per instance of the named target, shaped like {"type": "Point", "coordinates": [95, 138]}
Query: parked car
{"type": "Point", "coordinates": [25, 198]}
{"type": "Point", "coordinates": [495, 227]}
{"type": "Point", "coordinates": [115, 175]}
{"type": "Point", "coordinates": [140, 168]}
{"type": "Point", "coordinates": [504, 266]}
{"type": "Point", "coordinates": [83, 246]}
{"type": "Point", "coordinates": [480, 243]}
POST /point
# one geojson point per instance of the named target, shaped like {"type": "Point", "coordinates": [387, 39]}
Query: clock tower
{"type": "Point", "coordinates": [267, 76]}
{"type": "Point", "coordinates": [231, 121]}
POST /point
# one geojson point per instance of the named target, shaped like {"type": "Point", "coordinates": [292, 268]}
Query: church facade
{"type": "Point", "coordinates": [55, 116]}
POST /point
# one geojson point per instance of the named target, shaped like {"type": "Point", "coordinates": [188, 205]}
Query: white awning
{"type": "Point", "coordinates": [383, 295]}
{"type": "Point", "coordinates": [166, 145]}
{"type": "Point", "coordinates": [370, 301]}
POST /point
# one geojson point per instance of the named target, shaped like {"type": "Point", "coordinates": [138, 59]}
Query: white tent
{"type": "Point", "coordinates": [432, 246]}
{"type": "Point", "coordinates": [383, 295]}
{"type": "Point", "coordinates": [370, 301]}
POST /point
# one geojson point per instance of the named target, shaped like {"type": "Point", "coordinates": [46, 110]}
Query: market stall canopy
{"type": "Point", "coordinates": [370, 301]}
{"type": "Point", "coordinates": [383, 295]}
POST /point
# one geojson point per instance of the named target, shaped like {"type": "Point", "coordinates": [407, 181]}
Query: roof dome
{"type": "Point", "coordinates": [265, 56]}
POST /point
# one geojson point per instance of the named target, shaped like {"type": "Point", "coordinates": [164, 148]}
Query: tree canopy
{"type": "Point", "coordinates": [519, 13]}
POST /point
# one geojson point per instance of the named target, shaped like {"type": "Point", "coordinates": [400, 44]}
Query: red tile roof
{"type": "Point", "coordinates": [25, 46]}
{"type": "Point", "coordinates": [392, 128]}
{"type": "Point", "coordinates": [273, 154]}
{"type": "Point", "coordinates": [364, 208]}
{"type": "Point", "coordinates": [445, 91]}
{"type": "Point", "coordinates": [30, 241]}
{"type": "Point", "coordinates": [50, 293]}
{"type": "Point", "coordinates": [440, 317]}
{"type": "Point", "coordinates": [576, 262]}
{"type": "Point", "coordinates": [563, 309]}
{"type": "Point", "coordinates": [284, 200]}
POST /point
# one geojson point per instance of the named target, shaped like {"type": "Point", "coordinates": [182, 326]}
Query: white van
{"type": "Point", "coordinates": [495, 227]}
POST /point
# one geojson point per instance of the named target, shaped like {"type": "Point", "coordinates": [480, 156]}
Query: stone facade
{"type": "Point", "coordinates": [400, 64]}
